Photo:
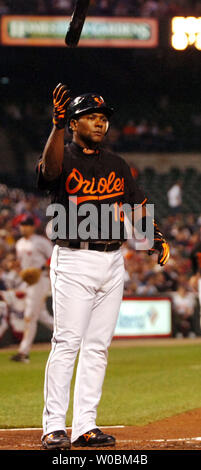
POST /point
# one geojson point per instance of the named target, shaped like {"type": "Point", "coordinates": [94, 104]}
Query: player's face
{"type": "Point", "coordinates": [27, 230]}
{"type": "Point", "coordinates": [89, 129]}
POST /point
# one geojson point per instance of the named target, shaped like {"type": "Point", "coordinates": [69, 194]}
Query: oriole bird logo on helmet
{"type": "Point", "coordinates": [88, 103]}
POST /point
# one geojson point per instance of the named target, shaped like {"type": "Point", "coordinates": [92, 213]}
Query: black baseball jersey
{"type": "Point", "coordinates": [95, 186]}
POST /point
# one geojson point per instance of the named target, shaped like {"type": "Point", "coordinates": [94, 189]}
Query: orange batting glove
{"type": "Point", "coordinates": [60, 100]}
{"type": "Point", "coordinates": [160, 245]}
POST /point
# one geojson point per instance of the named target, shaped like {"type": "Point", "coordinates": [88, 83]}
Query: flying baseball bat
{"type": "Point", "coordinates": [76, 23]}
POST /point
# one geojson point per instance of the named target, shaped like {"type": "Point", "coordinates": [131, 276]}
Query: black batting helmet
{"type": "Point", "coordinates": [86, 103]}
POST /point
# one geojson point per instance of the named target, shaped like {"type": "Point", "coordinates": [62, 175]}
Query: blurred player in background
{"type": "Point", "coordinates": [33, 252]}
{"type": "Point", "coordinates": [174, 196]}
{"type": "Point", "coordinates": [195, 281]}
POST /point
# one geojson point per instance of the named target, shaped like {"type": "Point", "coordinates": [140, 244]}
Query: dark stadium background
{"type": "Point", "coordinates": [133, 80]}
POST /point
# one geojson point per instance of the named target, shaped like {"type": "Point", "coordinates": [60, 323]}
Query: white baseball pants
{"type": "Point", "coordinates": [87, 289]}
{"type": "Point", "coordinates": [35, 310]}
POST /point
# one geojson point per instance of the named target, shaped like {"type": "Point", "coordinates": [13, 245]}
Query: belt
{"type": "Point", "coordinates": [98, 246]}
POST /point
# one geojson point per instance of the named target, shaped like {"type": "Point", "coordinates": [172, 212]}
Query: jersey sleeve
{"type": "Point", "coordinates": [134, 195]}
{"type": "Point", "coordinates": [17, 248]}
{"type": "Point", "coordinates": [47, 247]}
{"type": "Point", "coordinates": [42, 183]}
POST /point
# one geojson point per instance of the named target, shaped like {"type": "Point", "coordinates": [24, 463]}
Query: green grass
{"type": "Point", "coordinates": [142, 384]}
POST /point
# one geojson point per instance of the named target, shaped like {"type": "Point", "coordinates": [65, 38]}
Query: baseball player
{"type": "Point", "coordinates": [33, 252]}
{"type": "Point", "coordinates": [87, 276]}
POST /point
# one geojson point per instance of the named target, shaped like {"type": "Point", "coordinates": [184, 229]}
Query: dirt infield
{"type": "Point", "coordinates": [180, 432]}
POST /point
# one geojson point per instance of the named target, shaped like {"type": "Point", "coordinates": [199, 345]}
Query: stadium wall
{"type": "Point", "coordinates": [162, 163]}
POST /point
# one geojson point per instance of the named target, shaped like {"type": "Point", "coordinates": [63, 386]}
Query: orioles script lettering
{"type": "Point", "coordinates": [107, 187]}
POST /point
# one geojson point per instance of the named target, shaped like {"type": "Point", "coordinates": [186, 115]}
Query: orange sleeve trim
{"type": "Point", "coordinates": [141, 204]}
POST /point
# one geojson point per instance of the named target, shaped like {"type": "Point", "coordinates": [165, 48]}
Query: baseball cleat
{"type": "Point", "coordinates": [56, 440]}
{"type": "Point", "coordinates": [94, 438]}
{"type": "Point", "coordinates": [20, 358]}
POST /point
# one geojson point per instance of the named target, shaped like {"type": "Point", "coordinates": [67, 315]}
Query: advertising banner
{"type": "Point", "coordinates": [97, 31]}
{"type": "Point", "coordinates": [144, 317]}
